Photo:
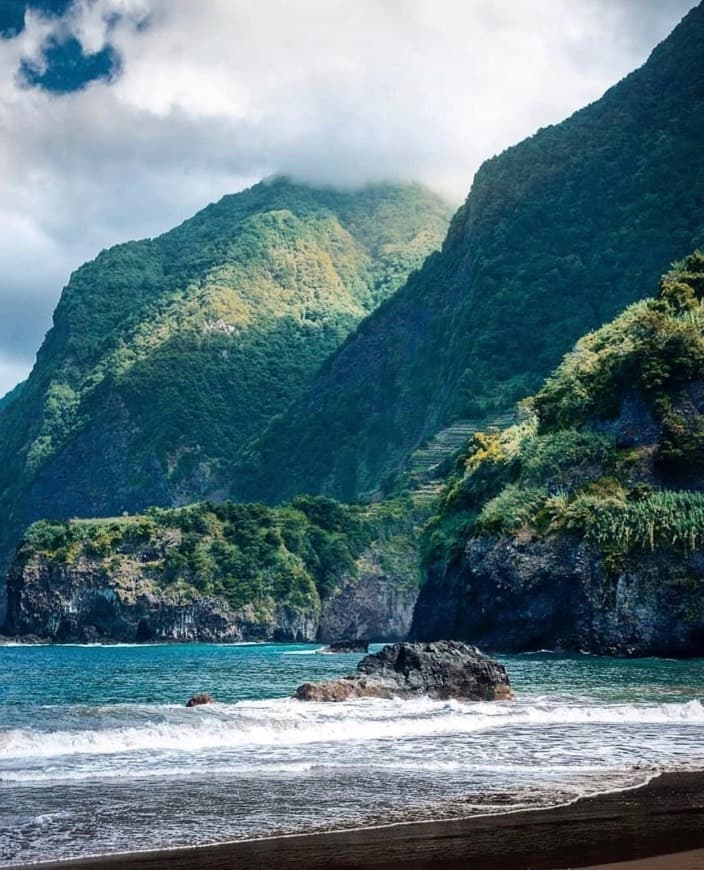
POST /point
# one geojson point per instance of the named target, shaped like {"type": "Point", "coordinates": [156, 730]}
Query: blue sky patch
{"type": "Point", "coordinates": [12, 13]}
{"type": "Point", "coordinates": [68, 69]}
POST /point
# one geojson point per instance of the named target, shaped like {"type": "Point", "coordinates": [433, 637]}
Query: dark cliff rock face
{"type": "Point", "coordinates": [80, 602]}
{"type": "Point", "coordinates": [515, 595]}
{"type": "Point", "coordinates": [84, 602]}
{"type": "Point", "coordinates": [372, 606]}
{"type": "Point", "coordinates": [582, 526]}
{"type": "Point", "coordinates": [442, 670]}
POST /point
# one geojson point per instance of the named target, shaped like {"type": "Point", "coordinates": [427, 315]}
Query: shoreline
{"type": "Point", "coordinates": [664, 817]}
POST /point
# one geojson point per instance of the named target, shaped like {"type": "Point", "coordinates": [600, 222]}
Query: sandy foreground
{"type": "Point", "coordinates": [657, 827]}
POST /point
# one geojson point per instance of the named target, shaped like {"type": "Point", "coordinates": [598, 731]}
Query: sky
{"type": "Point", "coordinates": [121, 118]}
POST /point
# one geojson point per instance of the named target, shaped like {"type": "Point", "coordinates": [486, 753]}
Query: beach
{"type": "Point", "coordinates": [657, 826]}
{"type": "Point", "coordinates": [114, 764]}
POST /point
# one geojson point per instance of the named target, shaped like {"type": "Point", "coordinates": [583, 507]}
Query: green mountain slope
{"type": "Point", "coordinates": [582, 526]}
{"type": "Point", "coordinates": [168, 354]}
{"type": "Point", "coordinates": [557, 235]}
{"type": "Point", "coordinates": [10, 396]}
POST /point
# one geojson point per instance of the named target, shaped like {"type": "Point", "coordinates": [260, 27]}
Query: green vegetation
{"type": "Point", "coordinates": [168, 355]}
{"type": "Point", "coordinates": [558, 235]}
{"type": "Point", "coordinates": [11, 396]}
{"type": "Point", "coordinates": [610, 449]}
{"type": "Point", "coordinates": [651, 350]}
{"type": "Point", "coordinates": [248, 554]}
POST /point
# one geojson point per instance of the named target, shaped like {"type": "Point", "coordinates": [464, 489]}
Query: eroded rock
{"type": "Point", "coordinates": [442, 670]}
{"type": "Point", "coordinates": [200, 698]}
{"type": "Point", "coordinates": [348, 646]}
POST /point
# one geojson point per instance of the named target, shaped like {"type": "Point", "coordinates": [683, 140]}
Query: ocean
{"type": "Point", "coordinates": [98, 753]}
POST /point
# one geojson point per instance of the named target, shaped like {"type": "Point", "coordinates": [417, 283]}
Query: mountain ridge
{"type": "Point", "coordinates": [557, 235]}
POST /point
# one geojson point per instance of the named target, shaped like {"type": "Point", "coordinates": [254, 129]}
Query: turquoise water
{"type": "Point", "coordinates": [98, 753]}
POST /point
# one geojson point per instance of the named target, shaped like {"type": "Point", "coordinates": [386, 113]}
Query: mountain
{"type": "Point", "coordinates": [167, 355]}
{"type": "Point", "coordinates": [557, 235]}
{"type": "Point", "coordinates": [582, 526]}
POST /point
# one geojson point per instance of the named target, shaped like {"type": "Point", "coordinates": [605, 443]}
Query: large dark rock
{"type": "Point", "coordinates": [444, 669]}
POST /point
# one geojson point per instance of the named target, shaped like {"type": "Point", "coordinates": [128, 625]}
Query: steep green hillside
{"type": "Point", "coordinates": [557, 235]}
{"type": "Point", "coordinates": [10, 396]}
{"type": "Point", "coordinates": [591, 509]}
{"type": "Point", "coordinates": [168, 354]}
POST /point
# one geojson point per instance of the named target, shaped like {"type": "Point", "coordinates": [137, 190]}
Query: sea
{"type": "Point", "coordinates": [98, 753]}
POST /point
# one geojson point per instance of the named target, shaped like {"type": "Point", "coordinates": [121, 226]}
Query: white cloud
{"type": "Point", "coordinates": [214, 95]}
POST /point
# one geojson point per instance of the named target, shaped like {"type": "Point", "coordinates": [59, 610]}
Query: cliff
{"type": "Point", "coordinates": [310, 571]}
{"type": "Point", "coordinates": [582, 527]}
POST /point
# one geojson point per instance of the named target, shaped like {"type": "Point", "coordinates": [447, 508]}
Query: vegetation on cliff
{"type": "Point", "coordinates": [610, 449]}
{"type": "Point", "coordinates": [248, 554]}
{"type": "Point", "coordinates": [558, 235]}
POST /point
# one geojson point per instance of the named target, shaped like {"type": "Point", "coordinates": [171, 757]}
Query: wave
{"type": "Point", "coordinates": [289, 723]}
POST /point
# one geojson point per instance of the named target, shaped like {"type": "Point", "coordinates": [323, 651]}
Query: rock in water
{"type": "Point", "coordinates": [200, 698]}
{"type": "Point", "coordinates": [444, 669]}
{"type": "Point", "coordinates": [348, 646]}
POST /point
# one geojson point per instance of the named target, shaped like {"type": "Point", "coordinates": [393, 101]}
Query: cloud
{"type": "Point", "coordinates": [211, 96]}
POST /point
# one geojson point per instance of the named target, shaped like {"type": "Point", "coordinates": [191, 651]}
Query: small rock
{"type": "Point", "coordinates": [348, 646]}
{"type": "Point", "coordinates": [201, 698]}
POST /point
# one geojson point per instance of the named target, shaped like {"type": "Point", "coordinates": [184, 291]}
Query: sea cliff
{"type": "Point", "coordinates": [582, 526]}
{"type": "Point", "coordinates": [311, 571]}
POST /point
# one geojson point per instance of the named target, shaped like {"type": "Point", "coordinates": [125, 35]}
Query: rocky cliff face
{"type": "Point", "coordinates": [510, 594]}
{"type": "Point", "coordinates": [582, 527]}
{"type": "Point", "coordinates": [83, 603]}
{"type": "Point", "coordinates": [87, 601]}
{"type": "Point", "coordinates": [376, 605]}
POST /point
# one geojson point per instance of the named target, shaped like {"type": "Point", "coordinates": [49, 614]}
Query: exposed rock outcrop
{"type": "Point", "coordinates": [348, 646]}
{"type": "Point", "coordinates": [442, 670]}
{"type": "Point", "coordinates": [377, 604]}
{"type": "Point", "coordinates": [199, 699]}
{"type": "Point", "coordinates": [514, 594]}
{"type": "Point", "coordinates": [81, 602]}
{"type": "Point", "coordinates": [582, 527]}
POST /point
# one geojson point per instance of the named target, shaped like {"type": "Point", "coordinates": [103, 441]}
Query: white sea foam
{"type": "Point", "coordinates": [288, 722]}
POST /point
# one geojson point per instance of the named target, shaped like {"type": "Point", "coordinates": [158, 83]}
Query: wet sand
{"type": "Point", "coordinates": [693, 860]}
{"type": "Point", "coordinates": [657, 827]}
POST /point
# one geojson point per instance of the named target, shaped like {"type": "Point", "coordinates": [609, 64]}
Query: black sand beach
{"type": "Point", "coordinates": [658, 826]}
